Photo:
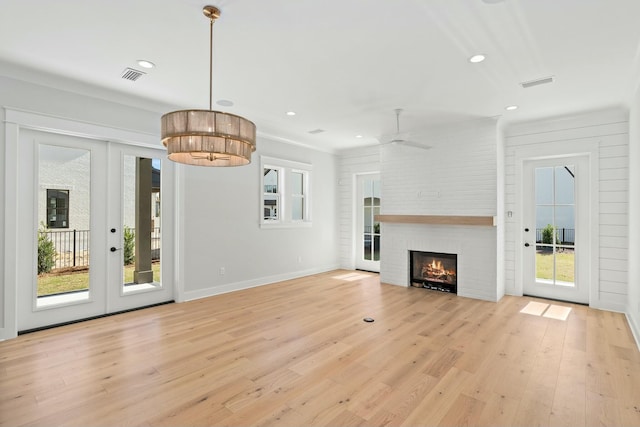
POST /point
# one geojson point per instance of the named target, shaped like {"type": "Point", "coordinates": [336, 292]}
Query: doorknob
{"type": "Point", "coordinates": [526, 245]}
{"type": "Point", "coordinates": [526, 229]}
{"type": "Point", "coordinates": [113, 249]}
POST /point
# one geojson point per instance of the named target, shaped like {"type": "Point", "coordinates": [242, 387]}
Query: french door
{"type": "Point", "coordinates": [92, 228]}
{"type": "Point", "coordinates": [555, 228]}
{"type": "Point", "coordinates": [368, 199]}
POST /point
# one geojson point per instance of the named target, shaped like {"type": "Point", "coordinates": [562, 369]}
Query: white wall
{"type": "Point", "coordinates": [633, 301]}
{"type": "Point", "coordinates": [221, 226]}
{"type": "Point", "coordinates": [608, 132]}
{"type": "Point", "coordinates": [351, 163]}
{"type": "Point", "coordinates": [458, 176]}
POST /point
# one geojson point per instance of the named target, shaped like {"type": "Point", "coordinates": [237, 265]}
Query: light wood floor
{"type": "Point", "coordinates": [297, 353]}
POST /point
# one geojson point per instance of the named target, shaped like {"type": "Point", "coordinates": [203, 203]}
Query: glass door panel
{"type": "Point", "coordinates": [64, 224]}
{"type": "Point", "coordinates": [141, 236]}
{"type": "Point", "coordinates": [555, 225]}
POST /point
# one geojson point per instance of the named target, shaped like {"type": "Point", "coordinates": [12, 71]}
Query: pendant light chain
{"type": "Point", "coordinates": [211, 63]}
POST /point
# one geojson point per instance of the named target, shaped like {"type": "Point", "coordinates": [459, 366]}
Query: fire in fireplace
{"type": "Point", "coordinates": [434, 270]}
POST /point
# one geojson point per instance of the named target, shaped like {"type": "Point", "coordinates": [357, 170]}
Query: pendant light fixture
{"type": "Point", "coordinates": [207, 137]}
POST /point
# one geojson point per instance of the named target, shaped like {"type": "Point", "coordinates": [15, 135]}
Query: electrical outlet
{"type": "Point", "coordinates": [222, 271]}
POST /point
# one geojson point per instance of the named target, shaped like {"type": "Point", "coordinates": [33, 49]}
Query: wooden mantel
{"type": "Point", "coordinates": [437, 219]}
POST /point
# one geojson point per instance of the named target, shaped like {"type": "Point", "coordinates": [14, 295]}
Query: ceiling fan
{"type": "Point", "coordinates": [402, 138]}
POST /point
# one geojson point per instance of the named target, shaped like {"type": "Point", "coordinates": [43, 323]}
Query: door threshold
{"type": "Point", "coordinates": [71, 322]}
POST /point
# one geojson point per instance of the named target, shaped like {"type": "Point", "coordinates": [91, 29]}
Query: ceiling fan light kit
{"type": "Point", "coordinates": [207, 137]}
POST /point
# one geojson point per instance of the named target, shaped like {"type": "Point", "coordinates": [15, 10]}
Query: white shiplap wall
{"type": "Point", "coordinates": [350, 164]}
{"type": "Point", "coordinates": [457, 176]}
{"type": "Point", "coordinates": [608, 132]}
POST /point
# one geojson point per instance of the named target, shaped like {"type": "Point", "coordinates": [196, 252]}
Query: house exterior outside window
{"type": "Point", "coordinates": [57, 208]}
{"type": "Point", "coordinates": [271, 197]}
{"type": "Point", "coordinates": [286, 197]}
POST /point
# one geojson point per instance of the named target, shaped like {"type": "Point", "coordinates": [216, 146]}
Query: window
{"type": "Point", "coordinates": [297, 196]}
{"type": "Point", "coordinates": [285, 193]}
{"type": "Point", "coordinates": [58, 208]}
{"type": "Point", "coordinates": [271, 197]}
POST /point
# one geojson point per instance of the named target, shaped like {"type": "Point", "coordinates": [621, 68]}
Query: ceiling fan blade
{"type": "Point", "coordinates": [401, 138]}
{"type": "Point", "coordinates": [414, 144]}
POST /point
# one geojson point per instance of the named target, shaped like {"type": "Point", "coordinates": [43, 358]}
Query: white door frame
{"type": "Point", "coordinates": [15, 120]}
{"type": "Point", "coordinates": [588, 147]}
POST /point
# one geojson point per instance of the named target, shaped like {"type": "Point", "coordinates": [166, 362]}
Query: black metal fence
{"type": "Point", "coordinates": [564, 236]}
{"type": "Point", "coordinates": [72, 246]}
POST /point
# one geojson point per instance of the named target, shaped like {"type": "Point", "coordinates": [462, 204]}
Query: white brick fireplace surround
{"type": "Point", "coordinates": [474, 245]}
{"type": "Point", "coordinates": [454, 180]}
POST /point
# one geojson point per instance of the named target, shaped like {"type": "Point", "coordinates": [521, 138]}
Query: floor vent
{"type": "Point", "coordinates": [131, 74]}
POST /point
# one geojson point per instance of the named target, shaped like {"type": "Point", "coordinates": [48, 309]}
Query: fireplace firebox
{"type": "Point", "coordinates": [434, 270]}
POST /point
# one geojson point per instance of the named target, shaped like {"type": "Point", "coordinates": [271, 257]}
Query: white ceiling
{"type": "Point", "coordinates": [342, 65]}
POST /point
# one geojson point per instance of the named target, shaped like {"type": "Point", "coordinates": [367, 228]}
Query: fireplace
{"type": "Point", "coordinates": [434, 270]}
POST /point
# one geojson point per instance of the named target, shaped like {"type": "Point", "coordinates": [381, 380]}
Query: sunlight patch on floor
{"type": "Point", "coordinates": [557, 312]}
{"type": "Point", "coordinates": [534, 308]}
{"type": "Point", "coordinates": [549, 311]}
{"type": "Point", "coordinates": [352, 277]}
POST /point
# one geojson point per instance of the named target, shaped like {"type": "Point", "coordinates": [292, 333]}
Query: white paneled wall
{"type": "Point", "coordinates": [458, 176]}
{"type": "Point", "coordinates": [351, 163]}
{"type": "Point", "coordinates": [607, 131]}
{"type": "Point", "coordinates": [633, 301]}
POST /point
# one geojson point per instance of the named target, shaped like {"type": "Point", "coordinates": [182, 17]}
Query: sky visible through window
{"type": "Point", "coordinates": [555, 185]}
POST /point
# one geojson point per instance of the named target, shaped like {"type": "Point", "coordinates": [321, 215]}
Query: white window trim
{"type": "Point", "coordinates": [285, 167]}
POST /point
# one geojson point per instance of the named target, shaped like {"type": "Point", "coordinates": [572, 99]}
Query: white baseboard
{"type": "Point", "coordinates": [247, 284]}
{"type": "Point", "coordinates": [475, 294]}
{"type": "Point", "coordinates": [634, 325]}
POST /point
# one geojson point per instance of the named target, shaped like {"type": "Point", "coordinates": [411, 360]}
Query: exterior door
{"type": "Point", "coordinates": [139, 229]}
{"type": "Point", "coordinates": [70, 206]}
{"type": "Point", "coordinates": [556, 231]}
{"type": "Point", "coordinates": [368, 199]}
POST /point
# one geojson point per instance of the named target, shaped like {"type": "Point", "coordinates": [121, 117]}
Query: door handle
{"type": "Point", "coordinates": [526, 245]}
{"type": "Point", "coordinates": [113, 249]}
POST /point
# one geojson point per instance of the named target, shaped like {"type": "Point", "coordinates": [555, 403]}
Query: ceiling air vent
{"type": "Point", "coordinates": [537, 82]}
{"type": "Point", "coordinates": [131, 74]}
{"type": "Point", "coordinates": [316, 131]}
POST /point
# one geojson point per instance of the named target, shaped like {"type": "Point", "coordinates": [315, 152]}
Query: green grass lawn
{"type": "Point", "coordinates": [49, 284]}
{"type": "Point", "coordinates": [565, 266]}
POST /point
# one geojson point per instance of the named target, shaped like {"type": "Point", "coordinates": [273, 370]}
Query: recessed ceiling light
{"type": "Point", "coordinates": [358, 136]}
{"type": "Point", "coordinates": [146, 64]}
{"type": "Point", "coordinates": [511, 107]}
{"type": "Point", "coordinates": [225, 103]}
{"type": "Point", "coordinates": [291, 113]}
{"type": "Point", "coordinates": [477, 58]}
